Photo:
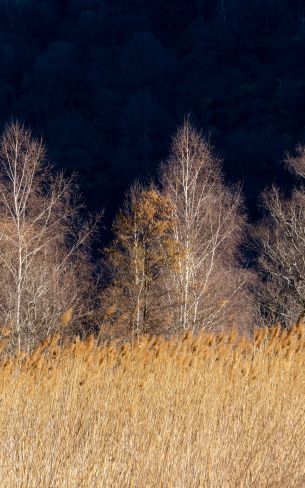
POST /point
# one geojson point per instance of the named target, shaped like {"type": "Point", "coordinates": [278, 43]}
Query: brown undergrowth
{"type": "Point", "coordinates": [204, 411]}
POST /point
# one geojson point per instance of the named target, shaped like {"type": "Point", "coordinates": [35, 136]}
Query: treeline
{"type": "Point", "coordinates": [177, 260]}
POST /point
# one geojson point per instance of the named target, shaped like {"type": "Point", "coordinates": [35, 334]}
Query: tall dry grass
{"type": "Point", "coordinates": [191, 412]}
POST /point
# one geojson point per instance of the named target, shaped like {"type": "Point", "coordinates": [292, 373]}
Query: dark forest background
{"type": "Point", "coordinates": [107, 83]}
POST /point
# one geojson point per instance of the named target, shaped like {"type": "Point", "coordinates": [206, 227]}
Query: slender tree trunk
{"type": "Point", "coordinates": [18, 301]}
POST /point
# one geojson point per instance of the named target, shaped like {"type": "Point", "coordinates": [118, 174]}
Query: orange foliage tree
{"type": "Point", "coordinates": [139, 258]}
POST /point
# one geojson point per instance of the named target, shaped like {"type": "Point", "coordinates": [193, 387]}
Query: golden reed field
{"type": "Point", "coordinates": [205, 411]}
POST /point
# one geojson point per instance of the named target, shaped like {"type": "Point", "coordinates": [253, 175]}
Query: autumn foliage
{"type": "Point", "coordinates": [140, 257]}
{"type": "Point", "coordinates": [175, 262]}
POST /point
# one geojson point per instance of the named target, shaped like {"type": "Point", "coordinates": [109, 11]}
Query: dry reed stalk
{"type": "Point", "coordinates": [211, 411]}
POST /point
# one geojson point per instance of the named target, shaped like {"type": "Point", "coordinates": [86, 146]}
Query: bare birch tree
{"type": "Point", "coordinates": [209, 286]}
{"type": "Point", "coordinates": [41, 262]}
{"type": "Point", "coordinates": [280, 242]}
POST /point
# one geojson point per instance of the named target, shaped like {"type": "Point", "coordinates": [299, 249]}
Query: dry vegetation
{"type": "Point", "coordinates": [211, 411]}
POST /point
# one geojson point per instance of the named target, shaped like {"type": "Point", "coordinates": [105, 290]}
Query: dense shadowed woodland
{"type": "Point", "coordinates": [107, 83]}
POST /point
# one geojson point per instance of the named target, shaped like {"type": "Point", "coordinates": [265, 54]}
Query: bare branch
{"type": "Point", "coordinates": [43, 261]}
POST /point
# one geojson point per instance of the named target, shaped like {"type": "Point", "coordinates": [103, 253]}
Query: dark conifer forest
{"type": "Point", "coordinates": [107, 83]}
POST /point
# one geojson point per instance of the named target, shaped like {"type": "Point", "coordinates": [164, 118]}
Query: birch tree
{"type": "Point", "coordinates": [280, 243]}
{"type": "Point", "coordinates": [209, 285]}
{"type": "Point", "coordinates": [41, 262]}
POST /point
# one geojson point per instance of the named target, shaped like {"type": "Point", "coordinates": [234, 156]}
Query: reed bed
{"type": "Point", "coordinates": [205, 411]}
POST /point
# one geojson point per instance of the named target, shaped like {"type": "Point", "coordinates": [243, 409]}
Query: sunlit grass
{"type": "Point", "coordinates": [206, 411]}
